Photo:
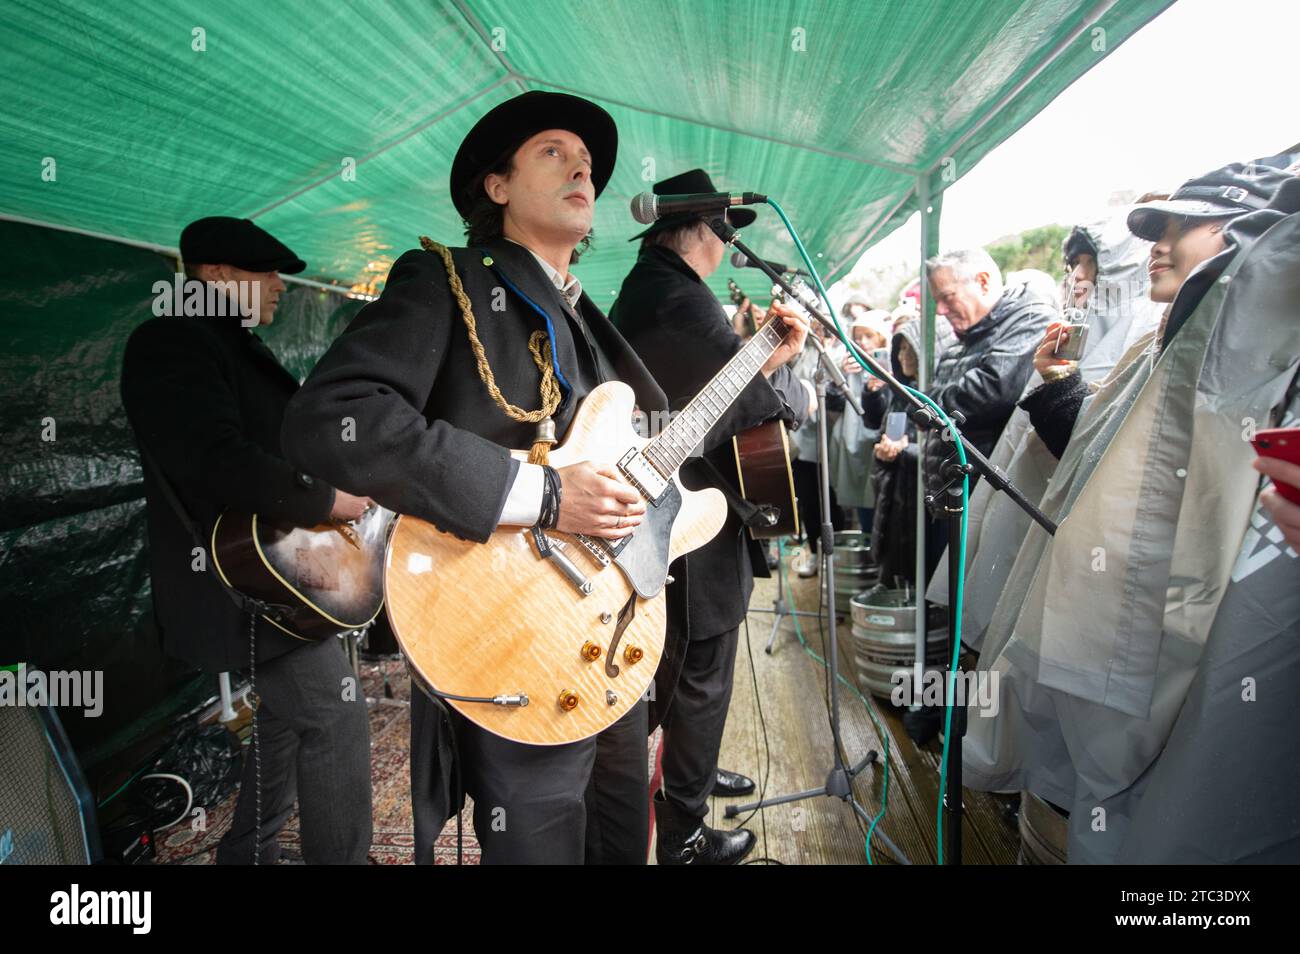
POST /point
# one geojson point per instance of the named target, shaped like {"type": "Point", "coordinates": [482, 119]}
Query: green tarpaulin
{"type": "Point", "coordinates": [334, 124]}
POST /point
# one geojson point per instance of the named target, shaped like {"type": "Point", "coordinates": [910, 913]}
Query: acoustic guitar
{"type": "Point", "coordinates": [767, 479]}
{"type": "Point", "coordinates": [317, 581]}
{"type": "Point", "coordinates": [763, 459]}
{"type": "Point", "coordinates": [548, 637]}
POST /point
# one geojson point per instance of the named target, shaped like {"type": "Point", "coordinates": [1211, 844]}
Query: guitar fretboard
{"type": "Point", "coordinates": [674, 444]}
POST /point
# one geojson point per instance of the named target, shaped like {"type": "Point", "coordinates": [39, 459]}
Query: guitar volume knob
{"type": "Point", "coordinates": [590, 651]}
{"type": "Point", "coordinates": [568, 700]}
{"type": "Point", "coordinates": [633, 654]}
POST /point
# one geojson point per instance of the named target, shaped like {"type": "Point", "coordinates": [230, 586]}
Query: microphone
{"type": "Point", "coordinates": [647, 207]}
{"type": "Point", "coordinates": [740, 260]}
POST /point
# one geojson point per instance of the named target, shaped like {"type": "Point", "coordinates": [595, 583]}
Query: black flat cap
{"type": "Point", "coordinates": [507, 126]}
{"type": "Point", "coordinates": [689, 183]}
{"type": "Point", "coordinates": [222, 240]}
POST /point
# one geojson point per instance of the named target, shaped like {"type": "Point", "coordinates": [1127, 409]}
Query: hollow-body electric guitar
{"type": "Point", "coordinates": [550, 637]}
{"type": "Point", "coordinates": [317, 581]}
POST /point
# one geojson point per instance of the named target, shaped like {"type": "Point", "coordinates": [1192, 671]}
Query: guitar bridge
{"type": "Point", "coordinates": [595, 547]}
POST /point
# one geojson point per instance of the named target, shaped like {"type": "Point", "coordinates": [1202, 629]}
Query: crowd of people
{"type": "Point", "coordinates": [1158, 631]}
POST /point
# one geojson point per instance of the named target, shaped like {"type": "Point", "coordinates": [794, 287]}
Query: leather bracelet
{"type": "Point", "coordinates": [545, 510]}
{"type": "Point", "coordinates": [549, 514]}
{"type": "Point", "coordinates": [556, 486]}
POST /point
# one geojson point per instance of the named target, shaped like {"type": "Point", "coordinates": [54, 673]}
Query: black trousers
{"type": "Point", "coordinates": [313, 734]}
{"type": "Point", "coordinates": [808, 490]}
{"type": "Point", "coordinates": [585, 802]}
{"type": "Point", "coordinates": [695, 720]}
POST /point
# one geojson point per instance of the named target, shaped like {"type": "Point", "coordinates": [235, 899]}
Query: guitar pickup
{"type": "Point", "coordinates": [642, 475]}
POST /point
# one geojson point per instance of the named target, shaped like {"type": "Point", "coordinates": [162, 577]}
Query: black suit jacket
{"type": "Point", "coordinates": [677, 326]}
{"type": "Point", "coordinates": [429, 440]}
{"type": "Point", "coordinates": [205, 398]}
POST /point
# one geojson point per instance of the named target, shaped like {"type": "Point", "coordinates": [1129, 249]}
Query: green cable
{"type": "Point", "coordinates": [866, 703]}
{"type": "Point", "coordinates": [965, 489]}
{"type": "Point", "coordinates": [121, 788]}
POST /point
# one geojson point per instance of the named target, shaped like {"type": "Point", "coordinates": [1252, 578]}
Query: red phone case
{"type": "Point", "coordinates": [1284, 444]}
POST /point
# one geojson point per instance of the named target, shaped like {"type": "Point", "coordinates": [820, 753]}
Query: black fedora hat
{"type": "Point", "coordinates": [689, 183]}
{"type": "Point", "coordinates": [508, 125]}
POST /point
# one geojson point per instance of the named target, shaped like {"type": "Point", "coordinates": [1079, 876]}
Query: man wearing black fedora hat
{"type": "Point", "coordinates": [432, 440]}
{"type": "Point", "coordinates": [205, 398]}
{"type": "Point", "coordinates": [678, 327]}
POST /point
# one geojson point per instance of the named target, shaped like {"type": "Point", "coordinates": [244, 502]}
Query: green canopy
{"type": "Point", "coordinates": [333, 125]}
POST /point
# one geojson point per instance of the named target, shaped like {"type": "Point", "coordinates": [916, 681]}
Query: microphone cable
{"type": "Point", "coordinates": [958, 596]}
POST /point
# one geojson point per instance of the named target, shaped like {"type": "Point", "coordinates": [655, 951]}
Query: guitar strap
{"type": "Point", "coordinates": [752, 515]}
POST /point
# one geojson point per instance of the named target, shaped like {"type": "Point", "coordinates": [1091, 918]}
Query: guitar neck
{"type": "Point", "coordinates": [674, 444]}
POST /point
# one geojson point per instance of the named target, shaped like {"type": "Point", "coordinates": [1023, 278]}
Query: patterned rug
{"type": "Point", "coordinates": [393, 844]}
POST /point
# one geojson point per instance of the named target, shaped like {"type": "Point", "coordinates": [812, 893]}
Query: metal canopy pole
{"type": "Point", "coordinates": [930, 206]}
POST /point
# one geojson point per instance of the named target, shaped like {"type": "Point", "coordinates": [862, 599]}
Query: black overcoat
{"type": "Point", "coordinates": [205, 398]}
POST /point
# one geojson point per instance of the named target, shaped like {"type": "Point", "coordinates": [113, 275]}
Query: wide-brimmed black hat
{"type": "Point", "coordinates": [689, 183]}
{"type": "Point", "coordinates": [507, 126]}
{"type": "Point", "coordinates": [222, 240]}
{"type": "Point", "coordinates": [1224, 193]}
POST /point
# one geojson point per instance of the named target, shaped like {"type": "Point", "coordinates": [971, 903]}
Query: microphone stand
{"type": "Point", "coordinates": [836, 375]}
{"type": "Point", "coordinates": [839, 780]}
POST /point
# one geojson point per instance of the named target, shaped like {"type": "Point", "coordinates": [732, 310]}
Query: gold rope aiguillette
{"type": "Point", "coordinates": [539, 346]}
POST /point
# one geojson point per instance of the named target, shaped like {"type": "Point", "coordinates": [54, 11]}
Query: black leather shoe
{"type": "Point", "coordinates": [684, 840]}
{"type": "Point", "coordinates": [730, 784]}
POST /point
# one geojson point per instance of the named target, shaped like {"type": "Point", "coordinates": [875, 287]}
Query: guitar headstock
{"type": "Point", "coordinates": [737, 296]}
{"type": "Point", "coordinates": [798, 284]}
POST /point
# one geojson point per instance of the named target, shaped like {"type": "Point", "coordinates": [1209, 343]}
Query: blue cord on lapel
{"type": "Point", "coordinates": [550, 328]}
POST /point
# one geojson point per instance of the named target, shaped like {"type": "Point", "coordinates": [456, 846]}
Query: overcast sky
{"type": "Point", "coordinates": [1206, 83]}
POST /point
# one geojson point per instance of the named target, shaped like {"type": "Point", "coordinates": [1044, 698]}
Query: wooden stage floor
{"type": "Point", "coordinates": [791, 686]}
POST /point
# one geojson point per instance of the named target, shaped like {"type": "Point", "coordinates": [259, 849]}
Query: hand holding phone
{"type": "Point", "coordinates": [1283, 444]}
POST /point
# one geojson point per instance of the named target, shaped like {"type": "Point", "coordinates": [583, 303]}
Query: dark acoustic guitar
{"type": "Point", "coordinates": [318, 581]}
{"type": "Point", "coordinates": [767, 479]}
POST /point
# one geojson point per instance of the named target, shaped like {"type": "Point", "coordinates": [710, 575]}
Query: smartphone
{"type": "Point", "coordinates": [1284, 444]}
{"type": "Point", "coordinates": [1073, 339]}
{"type": "Point", "coordinates": [896, 425]}
{"type": "Point", "coordinates": [882, 356]}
